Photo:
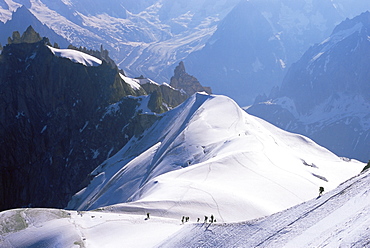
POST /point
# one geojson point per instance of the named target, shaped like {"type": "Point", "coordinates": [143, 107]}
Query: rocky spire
{"type": "Point", "coordinates": [29, 36]}
{"type": "Point", "coordinates": [182, 80]}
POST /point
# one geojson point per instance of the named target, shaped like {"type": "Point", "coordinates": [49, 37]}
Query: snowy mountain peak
{"type": "Point", "coordinates": [207, 155]}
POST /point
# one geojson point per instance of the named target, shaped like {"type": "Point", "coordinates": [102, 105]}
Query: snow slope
{"type": "Point", "coordinates": [339, 218]}
{"type": "Point", "coordinates": [76, 56]}
{"type": "Point", "coordinates": [208, 156]}
{"type": "Point", "coordinates": [6, 9]}
{"type": "Point", "coordinates": [44, 228]}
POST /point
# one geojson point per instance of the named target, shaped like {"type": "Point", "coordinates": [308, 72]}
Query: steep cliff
{"type": "Point", "coordinates": [58, 120]}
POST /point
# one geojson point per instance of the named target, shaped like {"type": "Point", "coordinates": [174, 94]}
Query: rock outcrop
{"type": "Point", "coordinates": [189, 84]}
{"type": "Point", "coordinates": [29, 36]}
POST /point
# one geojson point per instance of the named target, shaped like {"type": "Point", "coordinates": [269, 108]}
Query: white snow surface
{"type": "Point", "coordinates": [339, 218]}
{"type": "Point", "coordinates": [44, 228]}
{"type": "Point", "coordinates": [208, 156]}
{"type": "Point", "coordinates": [76, 56]}
{"type": "Point", "coordinates": [134, 83]}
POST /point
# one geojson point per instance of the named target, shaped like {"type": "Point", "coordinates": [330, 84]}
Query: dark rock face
{"type": "Point", "coordinates": [325, 95]}
{"type": "Point", "coordinates": [163, 97]}
{"type": "Point", "coordinates": [29, 36]}
{"type": "Point", "coordinates": [58, 121]}
{"type": "Point", "coordinates": [186, 82]}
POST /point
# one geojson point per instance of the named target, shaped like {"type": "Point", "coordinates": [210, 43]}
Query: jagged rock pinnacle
{"type": "Point", "coordinates": [182, 80]}
{"type": "Point", "coordinates": [29, 36]}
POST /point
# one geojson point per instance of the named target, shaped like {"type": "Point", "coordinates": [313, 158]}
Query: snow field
{"type": "Point", "coordinates": [337, 219]}
{"type": "Point", "coordinates": [86, 229]}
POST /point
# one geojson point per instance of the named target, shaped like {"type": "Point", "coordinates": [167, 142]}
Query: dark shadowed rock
{"type": "Point", "coordinates": [58, 121]}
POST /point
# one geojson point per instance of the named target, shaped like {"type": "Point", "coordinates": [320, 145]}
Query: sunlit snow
{"type": "Point", "coordinates": [210, 157]}
{"type": "Point", "coordinates": [134, 83]}
{"type": "Point", "coordinates": [76, 56]}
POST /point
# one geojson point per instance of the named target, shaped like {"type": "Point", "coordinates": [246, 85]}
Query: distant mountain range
{"type": "Point", "coordinates": [256, 43]}
{"type": "Point", "coordinates": [325, 95]}
{"type": "Point", "coordinates": [144, 37]}
{"type": "Point", "coordinates": [228, 51]}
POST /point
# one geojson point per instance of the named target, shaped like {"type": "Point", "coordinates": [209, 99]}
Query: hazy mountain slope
{"type": "Point", "coordinates": [254, 45]}
{"type": "Point", "coordinates": [151, 37]}
{"type": "Point", "coordinates": [23, 18]}
{"type": "Point", "coordinates": [6, 9]}
{"type": "Point", "coordinates": [194, 163]}
{"type": "Point", "coordinates": [325, 95]}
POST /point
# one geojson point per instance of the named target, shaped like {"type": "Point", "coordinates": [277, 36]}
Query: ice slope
{"type": "Point", "coordinates": [76, 56]}
{"type": "Point", "coordinates": [339, 218]}
{"type": "Point", "coordinates": [208, 156]}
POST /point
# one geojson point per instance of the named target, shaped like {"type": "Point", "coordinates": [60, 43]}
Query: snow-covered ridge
{"type": "Point", "coordinates": [194, 163]}
{"type": "Point", "coordinates": [76, 56]}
